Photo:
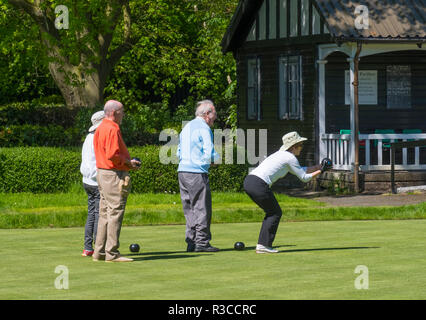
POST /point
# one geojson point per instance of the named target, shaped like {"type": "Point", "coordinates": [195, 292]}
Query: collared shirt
{"type": "Point", "coordinates": [196, 148]}
{"type": "Point", "coordinates": [110, 150]}
{"type": "Point", "coordinates": [277, 165]}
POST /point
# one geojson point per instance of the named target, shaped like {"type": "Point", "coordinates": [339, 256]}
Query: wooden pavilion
{"type": "Point", "coordinates": [297, 61]}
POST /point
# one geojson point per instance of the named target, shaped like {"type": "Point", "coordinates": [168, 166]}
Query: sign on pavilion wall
{"type": "Point", "coordinates": [367, 87]}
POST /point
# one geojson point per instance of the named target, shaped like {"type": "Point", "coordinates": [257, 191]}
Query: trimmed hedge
{"type": "Point", "coordinates": [38, 170]}
{"type": "Point", "coordinates": [49, 170]}
{"type": "Point", "coordinates": [27, 124]}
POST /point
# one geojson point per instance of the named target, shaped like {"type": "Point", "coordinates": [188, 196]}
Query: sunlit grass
{"type": "Point", "coordinates": [27, 210]}
{"type": "Point", "coordinates": [317, 260]}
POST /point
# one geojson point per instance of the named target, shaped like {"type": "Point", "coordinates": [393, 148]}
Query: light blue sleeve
{"type": "Point", "coordinates": [209, 153]}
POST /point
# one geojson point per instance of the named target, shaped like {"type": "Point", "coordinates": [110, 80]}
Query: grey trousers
{"type": "Point", "coordinates": [197, 206]}
{"type": "Point", "coordinates": [92, 216]}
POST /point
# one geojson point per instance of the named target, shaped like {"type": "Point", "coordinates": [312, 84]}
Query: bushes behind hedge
{"type": "Point", "coordinates": [49, 170]}
{"type": "Point", "coordinates": [36, 135]}
{"type": "Point", "coordinates": [37, 114]}
{"type": "Point", "coordinates": [27, 124]}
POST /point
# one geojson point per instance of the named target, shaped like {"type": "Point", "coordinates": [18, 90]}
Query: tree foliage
{"type": "Point", "coordinates": [165, 51]}
{"type": "Point", "coordinates": [24, 71]}
{"type": "Point", "coordinates": [178, 58]}
{"type": "Point", "coordinates": [83, 44]}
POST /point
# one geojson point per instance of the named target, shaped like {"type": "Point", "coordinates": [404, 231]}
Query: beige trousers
{"type": "Point", "coordinates": [114, 188]}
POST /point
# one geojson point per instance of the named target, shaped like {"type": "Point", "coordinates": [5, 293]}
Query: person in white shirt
{"type": "Point", "coordinates": [259, 181]}
{"type": "Point", "coordinates": [89, 171]}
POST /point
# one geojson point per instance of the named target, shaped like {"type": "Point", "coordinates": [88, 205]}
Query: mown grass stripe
{"type": "Point", "coordinates": [152, 215]}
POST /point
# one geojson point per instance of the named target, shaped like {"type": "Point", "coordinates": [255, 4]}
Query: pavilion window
{"type": "Point", "coordinates": [253, 89]}
{"type": "Point", "coordinates": [290, 87]}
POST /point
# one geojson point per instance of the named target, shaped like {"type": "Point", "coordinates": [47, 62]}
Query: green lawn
{"type": "Point", "coordinates": [26, 210]}
{"type": "Point", "coordinates": [317, 260]}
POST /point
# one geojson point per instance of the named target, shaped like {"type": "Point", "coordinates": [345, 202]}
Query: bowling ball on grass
{"type": "Point", "coordinates": [239, 245]}
{"type": "Point", "coordinates": [134, 247]}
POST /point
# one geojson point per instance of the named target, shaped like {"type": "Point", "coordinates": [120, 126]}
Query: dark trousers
{"type": "Point", "coordinates": [261, 194]}
{"type": "Point", "coordinates": [197, 207]}
{"type": "Point", "coordinates": [92, 216]}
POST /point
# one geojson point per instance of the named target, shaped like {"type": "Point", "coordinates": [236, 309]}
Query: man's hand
{"type": "Point", "coordinates": [134, 164]}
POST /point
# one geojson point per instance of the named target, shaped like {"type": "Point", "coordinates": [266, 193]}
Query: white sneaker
{"type": "Point", "coordinates": [262, 249]}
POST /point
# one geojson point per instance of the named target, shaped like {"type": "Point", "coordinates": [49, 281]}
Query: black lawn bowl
{"type": "Point", "coordinates": [239, 245]}
{"type": "Point", "coordinates": [134, 247]}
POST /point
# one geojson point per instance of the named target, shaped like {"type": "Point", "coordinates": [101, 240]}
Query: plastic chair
{"type": "Point", "coordinates": [346, 131]}
{"type": "Point", "coordinates": [385, 142]}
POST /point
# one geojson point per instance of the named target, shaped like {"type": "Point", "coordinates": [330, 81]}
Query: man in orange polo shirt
{"type": "Point", "coordinates": [113, 163]}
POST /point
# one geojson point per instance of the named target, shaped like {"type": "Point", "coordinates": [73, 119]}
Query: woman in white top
{"type": "Point", "coordinates": [89, 171]}
{"type": "Point", "coordinates": [258, 185]}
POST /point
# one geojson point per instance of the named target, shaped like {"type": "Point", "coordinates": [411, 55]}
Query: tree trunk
{"type": "Point", "coordinates": [88, 94]}
{"type": "Point", "coordinates": [79, 86]}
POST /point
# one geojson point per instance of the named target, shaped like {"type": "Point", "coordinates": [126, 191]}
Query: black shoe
{"type": "Point", "coordinates": [190, 247]}
{"type": "Point", "coordinates": [206, 249]}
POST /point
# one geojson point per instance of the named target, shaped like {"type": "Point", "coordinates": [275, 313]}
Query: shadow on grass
{"type": "Point", "coordinates": [143, 257]}
{"type": "Point", "coordinates": [327, 249]}
{"type": "Point", "coordinates": [184, 254]}
{"type": "Point", "coordinates": [254, 248]}
{"type": "Point", "coordinates": [155, 253]}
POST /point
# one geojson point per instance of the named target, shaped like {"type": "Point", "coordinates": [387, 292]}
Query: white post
{"type": "Point", "coordinates": [367, 153]}
{"type": "Point", "coordinates": [352, 112]}
{"type": "Point", "coordinates": [417, 156]}
{"type": "Point", "coordinates": [404, 155]}
{"type": "Point", "coordinates": [321, 108]}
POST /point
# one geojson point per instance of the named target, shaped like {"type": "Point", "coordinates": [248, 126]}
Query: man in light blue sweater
{"type": "Point", "coordinates": [196, 153]}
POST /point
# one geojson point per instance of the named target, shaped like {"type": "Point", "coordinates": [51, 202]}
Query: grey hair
{"type": "Point", "coordinates": [111, 106]}
{"type": "Point", "coordinates": [203, 107]}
